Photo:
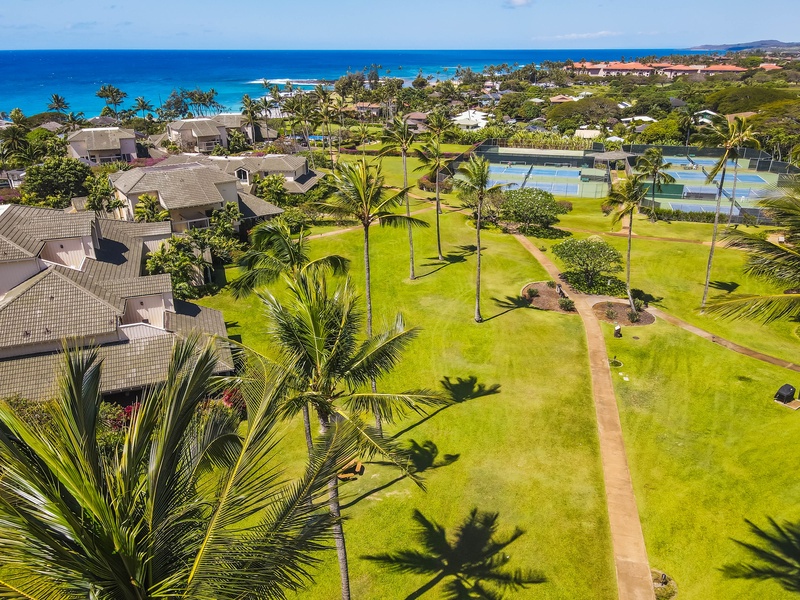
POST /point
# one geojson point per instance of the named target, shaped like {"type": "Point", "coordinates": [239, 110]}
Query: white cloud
{"type": "Point", "coordinates": [517, 3]}
{"type": "Point", "coordinates": [581, 36]}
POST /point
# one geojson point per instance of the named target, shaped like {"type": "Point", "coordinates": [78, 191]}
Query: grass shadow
{"type": "Point", "coordinates": [451, 258]}
{"type": "Point", "coordinates": [508, 303]}
{"type": "Point", "coordinates": [724, 286]}
{"type": "Point", "coordinates": [459, 391]}
{"type": "Point", "coordinates": [420, 458]}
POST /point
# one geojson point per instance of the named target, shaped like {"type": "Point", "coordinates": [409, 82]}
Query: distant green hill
{"type": "Point", "coordinates": [758, 45]}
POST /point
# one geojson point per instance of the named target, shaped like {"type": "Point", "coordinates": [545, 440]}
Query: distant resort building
{"type": "Point", "coordinates": [77, 277]}
{"type": "Point", "coordinates": [670, 70]}
{"type": "Point", "coordinates": [471, 120]}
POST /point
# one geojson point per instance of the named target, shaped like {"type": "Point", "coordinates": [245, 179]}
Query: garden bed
{"type": "Point", "coordinates": [603, 310]}
{"type": "Point", "coordinates": [546, 300]}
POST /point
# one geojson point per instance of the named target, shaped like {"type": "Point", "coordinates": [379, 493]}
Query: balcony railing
{"type": "Point", "coordinates": [207, 146]}
{"type": "Point", "coordinates": [183, 226]}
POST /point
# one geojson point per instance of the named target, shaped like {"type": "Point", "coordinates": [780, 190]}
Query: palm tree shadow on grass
{"type": "Point", "coordinates": [451, 258]}
{"type": "Point", "coordinates": [472, 560]}
{"type": "Point", "coordinates": [459, 391]}
{"type": "Point", "coordinates": [773, 556]}
{"type": "Point", "coordinates": [421, 457]}
{"type": "Point", "coordinates": [509, 303]}
{"type": "Point", "coordinates": [724, 286]}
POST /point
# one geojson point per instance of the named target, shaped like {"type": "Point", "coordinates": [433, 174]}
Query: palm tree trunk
{"type": "Point", "coordinates": [438, 211]}
{"type": "Point", "coordinates": [714, 234]}
{"type": "Point", "coordinates": [307, 429]}
{"type": "Point", "coordinates": [368, 296]}
{"type": "Point", "coordinates": [653, 201]}
{"type": "Point", "coordinates": [338, 531]}
{"type": "Point", "coordinates": [733, 190]}
{"type": "Point", "coordinates": [628, 265]}
{"type": "Point", "coordinates": [408, 214]}
{"type": "Point", "coordinates": [330, 143]}
{"type": "Point", "coordinates": [478, 317]}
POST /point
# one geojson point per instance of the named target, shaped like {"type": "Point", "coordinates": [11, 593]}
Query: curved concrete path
{"type": "Point", "coordinates": [634, 581]}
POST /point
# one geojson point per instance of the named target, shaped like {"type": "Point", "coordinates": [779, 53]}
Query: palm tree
{"type": "Point", "coordinates": [275, 251]}
{"type": "Point", "coordinates": [794, 154]}
{"type": "Point", "coordinates": [74, 121]}
{"type": "Point", "coordinates": [439, 125]}
{"type": "Point", "coordinates": [317, 333]}
{"type": "Point", "coordinates": [627, 197]}
{"type": "Point", "coordinates": [250, 112]}
{"type": "Point", "coordinates": [112, 96]}
{"type": "Point", "coordinates": [141, 105]}
{"type": "Point", "coordinates": [398, 136]}
{"type": "Point", "coordinates": [325, 114]}
{"type": "Point", "coordinates": [306, 116]}
{"type": "Point", "coordinates": [652, 166]}
{"type": "Point", "coordinates": [339, 107]}
{"type": "Point", "coordinates": [360, 194]}
{"type": "Point", "coordinates": [149, 210]}
{"type": "Point", "coordinates": [731, 135]}
{"type": "Point", "coordinates": [187, 505]}
{"type": "Point", "coordinates": [434, 162]}
{"type": "Point", "coordinates": [58, 104]}
{"type": "Point", "coordinates": [361, 134]}
{"type": "Point", "coordinates": [475, 182]}
{"type": "Point", "coordinates": [472, 561]}
{"type": "Point", "coordinates": [778, 263]}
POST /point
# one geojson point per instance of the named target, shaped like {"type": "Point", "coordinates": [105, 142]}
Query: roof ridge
{"type": "Point", "coordinates": [76, 283]}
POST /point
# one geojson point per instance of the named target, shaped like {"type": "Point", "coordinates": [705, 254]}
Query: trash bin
{"type": "Point", "coordinates": [785, 394]}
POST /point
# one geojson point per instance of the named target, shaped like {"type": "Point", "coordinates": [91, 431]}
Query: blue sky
{"type": "Point", "coordinates": [408, 24]}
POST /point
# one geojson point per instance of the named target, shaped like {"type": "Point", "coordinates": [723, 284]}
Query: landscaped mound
{"type": "Point", "coordinates": [541, 295]}
{"type": "Point", "coordinates": [619, 312]}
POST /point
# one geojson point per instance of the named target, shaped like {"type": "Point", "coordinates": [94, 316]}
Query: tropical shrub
{"type": "Point", "coordinates": [566, 304]}
{"type": "Point", "coordinates": [60, 177]}
{"type": "Point", "coordinates": [590, 264]}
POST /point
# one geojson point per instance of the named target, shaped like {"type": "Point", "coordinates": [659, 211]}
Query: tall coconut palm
{"type": "Point", "coordinates": [339, 107]}
{"type": "Point", "coordinates": [317, 332]}
{"type": "Point", "coordinates": [58, 104]}
{"type": "Point", "coordinates": [250, 114]}
{"type": "Point", "coordinates": [472, 561]}
{"type": "Point", "coordinates": [434, 163]}
{"type": "Point", "coordinates": [142, 105]}
{"type": "Point", "coordinates": [627, 197]}
{"type": "Point", "coordinates": [360, 194]}
{"type": "Point", "coordinates": [398, 136]}
{"type": "Point", "coordinates": [275, 251]}
{"type": "Point", "coordinates": [73, 121]}
{"type": "Point", "coordinates": [474, 181]}
{"type": "Point", "coordinates": [113, 96]}
{"type": "Point", "coordinates": [777, 263]}
{"type": "Point", "coordinates": [307, 117]}
{"type": "Point", "coordinates": [653, 166]}
{"type": "Point", "coordinates": [325, 114]}
{"type": "Point", "coordinates": [361, 134]}
{"type": "Point", "coordinates": [188, 505]}
{"type": "Point", "coordinates": [439, 125]}
{"type": "Point", "coordinates": [731, 135]}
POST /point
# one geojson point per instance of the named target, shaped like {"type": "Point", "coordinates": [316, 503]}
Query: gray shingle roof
{"type": "Point", "coordinates": [139, 286]}
{"type": "Point", "coordinates": [302, 184]}
{"type": "Point", "coordinates": [229, 120]}
{"type": "Point", "coordinates": [199, 127]}
{"type": "Point", "coordinates": [178, 186]}
{"type": "Point", "coordinates": [252, 207]}
{"type": "Point", "coordinates": [11, 251]}
{"type": "Point", "coordinates": [103, 138]}
{"type": "Point", "coordinates": [49, 307]}
{"type": "Point", "coordinates": [38, 224]}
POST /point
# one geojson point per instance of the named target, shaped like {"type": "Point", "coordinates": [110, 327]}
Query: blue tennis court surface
{"type": "Point", "coordinates": [523, 170]}
{"type": "Point", "coordinates": [701, 208]}
{"type": "Point", "coordinates": [558, 189]}
{"type": "Point", "coordinates": [703, 162]}
{"type": "Point", "coordinates": [700, 176]}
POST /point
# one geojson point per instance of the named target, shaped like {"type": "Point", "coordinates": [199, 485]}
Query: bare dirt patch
{"type": "Point", "coordinates": [617, 312]}
{"type": "Point", "coordinates": [547, 298]}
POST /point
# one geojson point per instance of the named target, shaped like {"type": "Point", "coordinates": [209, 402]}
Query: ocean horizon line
{"type": "Point", "coordinates": [546, 49]}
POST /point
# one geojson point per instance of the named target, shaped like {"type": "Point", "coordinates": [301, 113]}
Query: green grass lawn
{"type": "Point", "coordinates": [529, 452]}
{"type": "Point", "coordinates": [707, 447]}
{"type": "Point", "coordinates": [675, 272]}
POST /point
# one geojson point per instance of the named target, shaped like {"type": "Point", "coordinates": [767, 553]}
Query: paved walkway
{"type": "Point", "coordinates": [630, 554]}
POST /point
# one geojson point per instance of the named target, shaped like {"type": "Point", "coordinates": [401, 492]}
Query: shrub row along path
{"type": "Point", "coordinates": [634, 581]}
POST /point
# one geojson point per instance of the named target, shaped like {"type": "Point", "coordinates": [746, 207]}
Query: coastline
{"type": "Point", "coordinates": [29, 77]}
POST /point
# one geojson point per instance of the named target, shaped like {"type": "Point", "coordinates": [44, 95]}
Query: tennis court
{"type": "Point", "coordinates": [700, 176]}
{"type": "Point", "coordinates": [703, 162]}
{"type": "Point", "coordinates": [529, 171]}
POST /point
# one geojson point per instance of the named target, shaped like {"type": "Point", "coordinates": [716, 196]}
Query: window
{"type": "Point", "coordinates": [242, 175]}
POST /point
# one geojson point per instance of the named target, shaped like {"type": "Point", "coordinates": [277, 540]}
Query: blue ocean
{"type": "Point", "coordinates": [28, 78]}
